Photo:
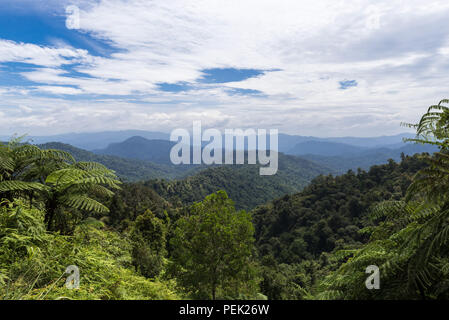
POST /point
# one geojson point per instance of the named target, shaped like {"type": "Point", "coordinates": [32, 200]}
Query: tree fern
{"type": "Point", "coordinates": [84, 203]}
{"type": "Point", "coordinates": [53, 177]}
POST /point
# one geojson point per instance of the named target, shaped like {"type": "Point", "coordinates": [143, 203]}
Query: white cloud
{"type": "Point", "coordinates": [42, 56]}
{"type": "Point", "coordinates": [397, 54]}
{"type": "Point", "coordinates": [59, 90]}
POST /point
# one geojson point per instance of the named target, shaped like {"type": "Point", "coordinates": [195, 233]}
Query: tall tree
{"type": "Point", "coordinates": [148, 235]}
{"type": "Point", "coordinates": [213, 249]}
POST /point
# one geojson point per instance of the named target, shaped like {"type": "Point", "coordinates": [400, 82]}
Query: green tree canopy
{"type": "Point", "coordinates": [148, 236]}
{"type": "Point", "coordinates": [213, 249]}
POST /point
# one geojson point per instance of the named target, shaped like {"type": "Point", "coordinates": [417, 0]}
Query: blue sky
{"type": "Point", "coordinates": [322, 67]}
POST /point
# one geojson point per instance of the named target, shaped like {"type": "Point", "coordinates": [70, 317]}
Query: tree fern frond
{"type": "Point", "coordinates": [59, 155]}
{"type": "Point", "coordinates": [16, 185]}
{"type": "Point", "coordinates": [84, 203]}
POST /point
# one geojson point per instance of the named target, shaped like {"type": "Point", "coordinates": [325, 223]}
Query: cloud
{"type": "Point", "coordinates": [59, 90]}
{"type": "Point", "coordinates": [40, 56]}
{"type": "Point", "coordinates": [165, 67]}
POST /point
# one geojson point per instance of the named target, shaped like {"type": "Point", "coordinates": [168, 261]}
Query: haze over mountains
{"type": "Point", "coordinates": [101, 140]}
{"type": "Point", "coordinates": [94, 140]}
{"type": "Point", "coordinates": [147, 158]}
{"type": "Point", "coordinates": [189, 183]}
{"type": "Point", "coordinates": [337, 154]}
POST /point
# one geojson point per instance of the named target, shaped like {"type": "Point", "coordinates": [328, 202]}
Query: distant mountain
{"type": "Point", "coordinates": [324, 148]}
{"type": "Point", "coordinates": [94, 140]}
{"type": "Point", "coordinates": [157, 151]}
{"type": "Point", "coordinates": [368, 158]}
{"type": "Point", "coordinates": [288, 142]}
{"type": "Point", "coordinates": [373, 142]}
{"type": "Point", "coordinates": [126, 169]}
{"type": "Point", "coordinates": [190, 183]}
{"type": "Point", "coordinates": [337, 156]}
{"type": "Point", "coordinates": [243, 183]}
{"type": "Point", "coordinates": [100, 140]}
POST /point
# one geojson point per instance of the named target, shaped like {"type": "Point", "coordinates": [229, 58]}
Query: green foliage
{"type": "Point", "coordinates": [329, 213]}
{"type": "Point", "coordinates": [74, 187]}
{"type": "Point", "coordinates": [212, 250]}
{"type": "Point", "coordinates": [23, 168]}
{"type": "Point", "coordinates": [40, 188]}
{"type": "Point", "coordinates": [243, 183]}
{"type": "Point", "coordinates": [33, 261]}
{"type": "Point", "coordinates": [410, 242]}
{"type": "Point", "coordinates": [288, 281]}
{"type": "Point", "coordinates": [133, 200]}
{"type": "Point", "coordinates": [129, 170]}
{"type": "Point", "coordinates": [433, 127]}
{"type": "Point", "coordinates": [148, 236]}
{"type": "Point", "coordinates": [54, 178]}
{"type": "Point", "coordinates": [312, 244]}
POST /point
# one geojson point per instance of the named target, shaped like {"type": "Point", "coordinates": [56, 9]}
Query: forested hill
{"type": "Point", "coordinates": [243, 183]}
{"type": "Point", "coordinates": [127, 169]}
{"type": "Point", "coordinates": [194, 182]}
{"type": "Point", "coordinates": [157, 151]}
{"type": "Point", "coordinates": [329, 212]}
{"type": "Point", "coordinates": [365, 159]}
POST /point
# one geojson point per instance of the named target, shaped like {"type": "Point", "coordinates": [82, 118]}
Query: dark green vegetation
{"type": "Point", "coordinates": [126, 169]}
{"type": "Point", "coordinates": [242, 182]}
{"type": "Point", "coordinates": [46, 224]}
{"type": "Point", "coordinates": [186, 238]}
{"type": "Point", "coordinates": [53, 214]}
{"type": "Point", "coordinates": [213, 252]}
{"type": "Point", "coordinates": [330, 212]}
{"type": "Point", "coordinates": [409, 239]}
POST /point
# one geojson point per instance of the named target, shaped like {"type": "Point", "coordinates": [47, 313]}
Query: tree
{"type": "Point", "coordinates": [54, 177]}
{"type": "Point", "coordinates": [24, 168]}
{"type": "Point", "coordinates": [148, 236]}
{"type": "Point", "coordinates": [75, 186]}
{"type": "Point", "coordinates": [213, 249]}
{"type": "Point", "coordinates": [410, 244]}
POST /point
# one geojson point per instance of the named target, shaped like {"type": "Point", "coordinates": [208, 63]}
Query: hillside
{"type": "Point", "coordinates": [329, 212]}
{"type": "Point", "coordinates": [95, 140]}
{"type": "Point", "coordinates": [243, 183]}
{"type": "Point", "coordinates": [101, 140]}
{"type": "Point", "coordinates": [126, 169]}
{"type": "Point", "coordinates": [333, 153]}
{"type": "Point", "coordinates": [367, 158]}
{"type": "Point", "coordinates": [157, 151]}
{"type": "Point", "coordinates": [324, 148]}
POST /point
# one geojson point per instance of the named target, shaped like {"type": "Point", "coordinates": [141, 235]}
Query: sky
{"type": "Point", "coordinates": [323, 67]}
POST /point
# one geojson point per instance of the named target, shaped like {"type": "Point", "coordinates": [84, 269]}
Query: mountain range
{"type": "Point", "coordinates": [101, 140]}
{"type": "Point", "coordinates": [337, 154]}
{"type": "Point", "coordinates": [140, 159]}
{"type": "Point", "coordinates": [338, 157]}
{"type": "Point", "coordinates": [190, 183]}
